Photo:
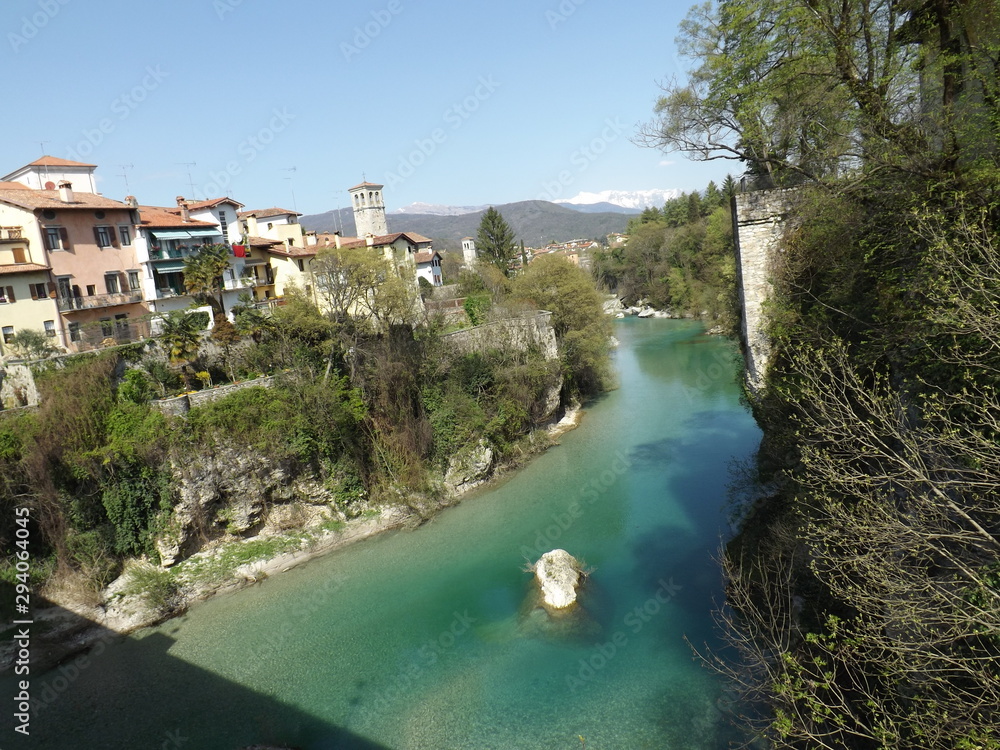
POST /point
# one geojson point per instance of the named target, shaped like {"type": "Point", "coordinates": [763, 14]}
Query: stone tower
{"type": "Point", "coordinates": [369, 209]}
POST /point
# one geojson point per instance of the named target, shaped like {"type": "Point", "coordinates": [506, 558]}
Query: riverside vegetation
{"type": "Point", "coordinates": [367, 411]}
{"type": "Point", "coordinates": [864, 587]}
{"type": "Point", "coordinates": [680, 257]}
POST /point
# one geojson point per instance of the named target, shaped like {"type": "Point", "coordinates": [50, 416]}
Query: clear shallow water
{"type": "Point", "coordinates": [423, 639]}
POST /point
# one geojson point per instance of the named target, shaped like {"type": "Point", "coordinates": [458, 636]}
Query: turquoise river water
{"type": "Point", "coordinates": [427, 638]}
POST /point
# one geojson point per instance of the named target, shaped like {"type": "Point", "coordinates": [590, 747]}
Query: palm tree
{"type": "Point", "coordinates": [180, 336]}
{"type": "Point", "coordinates": [203, 275]}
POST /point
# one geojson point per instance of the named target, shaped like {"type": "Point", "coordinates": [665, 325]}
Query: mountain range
{"type": "Point", "coordinates": [534, 222]}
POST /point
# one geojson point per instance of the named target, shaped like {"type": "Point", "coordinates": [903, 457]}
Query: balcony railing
{"type": "Point", "coordinates": [65, 304]}
{"type": "Point", "coordinates": [244, 282]}
{"type": "Point", "coordinates": [11, 233]}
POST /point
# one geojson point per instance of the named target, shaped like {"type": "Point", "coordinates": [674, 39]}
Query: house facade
{"type": "Point", "coordinates": [83, 245]}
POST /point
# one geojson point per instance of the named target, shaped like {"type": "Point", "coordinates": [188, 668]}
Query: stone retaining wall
{"type": "Point", "coordinates": [522, 333]}
{"type": "Point", "coordinates": [178, 406]}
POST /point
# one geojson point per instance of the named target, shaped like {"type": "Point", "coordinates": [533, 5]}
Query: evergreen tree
{"type": "Point", "coordinates": [495, 240]}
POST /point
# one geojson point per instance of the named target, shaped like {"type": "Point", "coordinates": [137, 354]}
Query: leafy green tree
{"type": "Point", "coordinates": [203, 273]}
{"type": "Point", "coordinates": [583, 330]}
{"type": "Point", "coordinates": [495, 241]}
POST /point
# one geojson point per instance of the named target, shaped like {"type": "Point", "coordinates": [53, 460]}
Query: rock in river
{"type": "Point", "coordinates": [558, 574]}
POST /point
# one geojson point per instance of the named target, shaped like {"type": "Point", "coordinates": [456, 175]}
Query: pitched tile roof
{"type": "Point", "coordinates": [34, 199]}
{"type": "Point", "coordinates": [21, 268]}
{"type": "Point", "coordinates": [160, 218]}
{"type": "Point", "coordinates": [262, 241]}
{"type": "Point", "coordinates": [12, 186]}
{"type": "Point", "coordinates": [53, 161]}
{"type": "Point", "coordinates": [293, 251]}
{"type": "Point", "coordinates": [197, 205]}
{"type": "Point", "coordinates": [263, 213]}
{"type": "Point", "coordinates": [426, 257]}
{"type": "Point", "coordinates": [367, 184]}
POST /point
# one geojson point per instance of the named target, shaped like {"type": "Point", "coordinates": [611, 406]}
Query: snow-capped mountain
{"type": "Point", "coordinates": [634, 199]}
{"type": "Point", "coordinates": [433, 209]}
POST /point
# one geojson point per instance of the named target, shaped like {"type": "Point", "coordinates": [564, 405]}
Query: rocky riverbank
{"type": "Point", "coordinates": [283, 536]}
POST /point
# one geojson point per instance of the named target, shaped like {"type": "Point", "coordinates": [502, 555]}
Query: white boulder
{"type": "Point", "coordinates": [558, 574]}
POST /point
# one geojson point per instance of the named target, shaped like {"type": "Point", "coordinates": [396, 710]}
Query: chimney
{"type": "Point", "coordinates": [65, 191]}
{"type": "Point", "coordinates": [370, 239]}
{"type": "Point", "coordinates": [131, 202]}
{"type": "Point", "coordinates": [185, 213]}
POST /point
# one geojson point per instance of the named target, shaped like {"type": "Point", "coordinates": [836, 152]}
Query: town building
{"type": "Point", "coordinates": [81, 246]}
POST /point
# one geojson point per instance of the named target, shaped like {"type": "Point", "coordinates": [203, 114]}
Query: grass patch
{"type": "Point", "coordinates": [219, 565]}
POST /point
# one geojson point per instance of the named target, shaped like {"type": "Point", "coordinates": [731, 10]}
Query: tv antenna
{"type": "Point", "coordinates": [189, 164]}
{"type": "Point", "coordinates": [124, 176]}
{"type": "Point", "coordinates": [291, 185]}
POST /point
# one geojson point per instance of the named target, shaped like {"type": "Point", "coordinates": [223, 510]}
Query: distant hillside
{"type": "Point", "coordinates": [535, 222]}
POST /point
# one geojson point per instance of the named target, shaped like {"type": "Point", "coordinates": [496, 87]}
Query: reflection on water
{"type": "Point", "coordinates": [429, 639]}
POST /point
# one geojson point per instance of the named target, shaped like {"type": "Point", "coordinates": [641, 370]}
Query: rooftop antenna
{"type": "Point", "coordinates": [291, 185]}
{"type": "Point", "coordinates": [189, 164]}
{"type": "Point", "coordinates": [124, 176]}
{"type": "Point", "coordinates": [340, 226]}
{"type": "Point", "coordinates": [45, 168]}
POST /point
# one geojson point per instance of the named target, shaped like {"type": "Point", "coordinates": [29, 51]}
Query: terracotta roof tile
{"type": "Point", "coordinates": [53, 161]}
{"type": "Point", "coordinates": [34, 199]}
{"type": "Point", "coordinates": [367, 184]}
{"type": "Point", "coordinates": [262, 242]}
{"type": "Point", "coordinates": [197, 205]}
{"type": "Point", "coordinates": [263, 213]}
{"type": "Point", "coordinates": [160, 218]}
{"type": "Point", "coordinates": [21, 268]}
{"type": "Point", "coordinates": [426, 257]}
{"type": "Point", "coordinates": [293, 251]}
{"type": "Point", "coordinates": [12, 186]}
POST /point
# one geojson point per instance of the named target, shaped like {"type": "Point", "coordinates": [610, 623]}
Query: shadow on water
{"type": "Point", "coordinates": [129, 693]}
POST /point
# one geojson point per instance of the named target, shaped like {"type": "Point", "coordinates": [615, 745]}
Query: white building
{"type": "Point", "coordinates": [46, 174]}
{"type": "Point", "coordinates": [369, 210]}
{"type": "Point", "coordinates": [469, 251]}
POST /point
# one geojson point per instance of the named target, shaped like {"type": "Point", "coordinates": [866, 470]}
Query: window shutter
{"type": "Point", "coordinates": [64, 238]}
{"type": "Point", "coordinates": [52, 288]}
{"type": "Point", "coordinates": [34, 290]}
{"type": "Point", "coordinates": [10, 294]}
{"type": "Point", "coordinates": [97, 237]}
{"type": "Point", "coordinates": [114, 236]}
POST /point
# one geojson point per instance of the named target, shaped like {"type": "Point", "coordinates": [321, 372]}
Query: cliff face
{"type": "Point", "coordinates": [233, 491]}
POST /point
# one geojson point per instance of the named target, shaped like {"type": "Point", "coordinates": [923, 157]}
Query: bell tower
{"type": "Point", "coordinates": [369, 209]}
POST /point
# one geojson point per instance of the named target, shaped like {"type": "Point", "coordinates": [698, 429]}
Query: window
{"type": "Point", "coordinates": [8, 334]}
{"type": "Point", "coordinates": [38, 291]}
{"type": "Point", "coordinates": [56, 238]}
{"type": "Point", "coordinates": [50, 328]}
{"type": "Point", "coordinates": [91, 290]}
{"type": "Point", "coordinates": [106, 328]}
{"type": "Point", "coordinates": [65, 288]}
{"type": "Point", "coordinates": [133, 281]}
{"type": "Point", "coordinates": [103, 236]}
{"type": "Point", "coordinates": [74, 331]}
{"type": "Point", "coordinates": [111, 283]}
{"type": "Point", "coordinates": [7, 295]}
{"type": "Point", "coordinates": [302, 265]}
{"type": "Point", "coordinates": [125, 234]}
{"type": "Point", "coordinates": [19, 255]}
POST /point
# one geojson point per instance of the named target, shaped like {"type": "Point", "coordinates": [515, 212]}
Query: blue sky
{"type": "Point", "coordinates": [275, 103]}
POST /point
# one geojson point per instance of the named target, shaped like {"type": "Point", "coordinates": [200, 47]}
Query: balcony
{"type": "Point", "coordinates": [244, 282]}
{"type": "Point", "coordinates": [67, 304]}
{"type": "Point", "coordinates": [12, 234]}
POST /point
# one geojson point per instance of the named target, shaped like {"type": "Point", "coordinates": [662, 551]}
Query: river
{"type": "Point", "coordinates": [421, 639]}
